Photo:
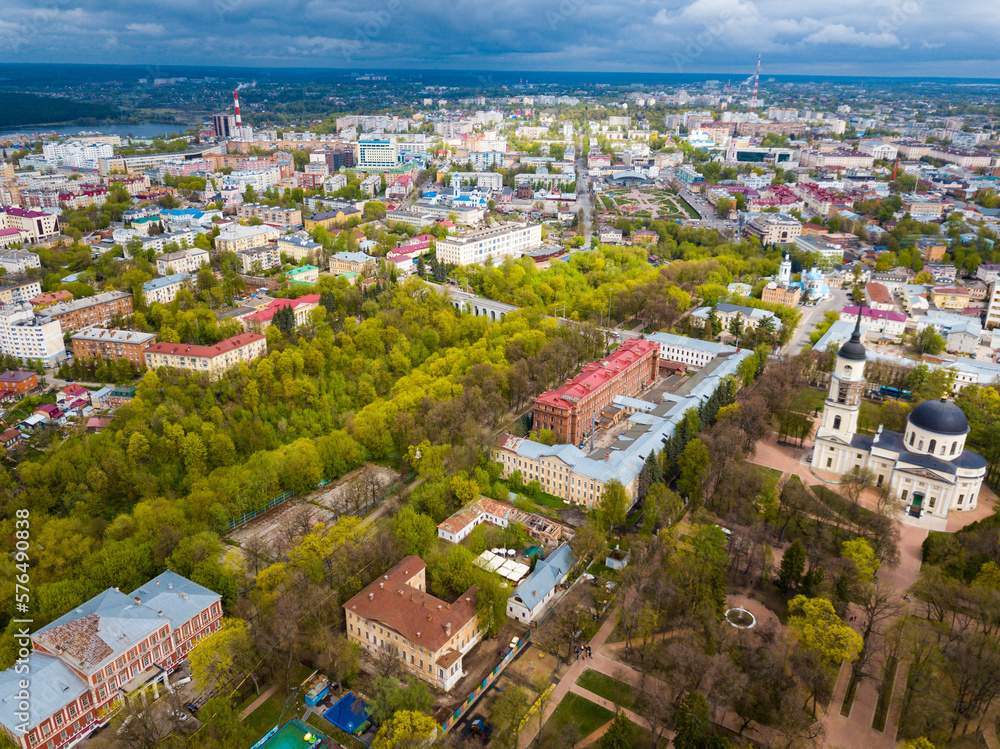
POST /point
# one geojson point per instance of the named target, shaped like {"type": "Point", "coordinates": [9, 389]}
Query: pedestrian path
{"type": "Point", "coordinates": [598, 700]}
{"type": "Point", "coordinates": [259, 701]}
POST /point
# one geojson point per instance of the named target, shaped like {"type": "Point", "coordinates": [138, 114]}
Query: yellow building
{"type": "Point", "coordinates": [210, 360]}
{"type": "Point", "coordinates": [431, 635]}
{"type": "Point", "coordinates": [950, 297]}
{"type": "Point", "coordinates": [328, 219]}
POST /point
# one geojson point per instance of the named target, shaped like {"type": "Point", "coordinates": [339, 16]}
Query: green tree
{"type": "Point", "coordinates": [819, 629]}
{"type": "Point", "coordinates": [416, 532]}
{"type": "Point", "coordinates": [694, 463]}
{"type": "Point", "coordinates": [793, 564]}
{"type": "Point", "coordinates": [506, 713]}
{"type": "Point", "coordinates": [614, 504]}
{"type": "Point", "coordinates": [621, 734]}
{"type": "Point", "coordinates": [491, 602]}
{"type": "Point", "coordinates": [860, 553]}
{"type": "Point", "coordinates": [406, 729]}
{"type": "Point", "coordinates": [694, 721]}
{"type": "Point", "coordinates": [388, 696]}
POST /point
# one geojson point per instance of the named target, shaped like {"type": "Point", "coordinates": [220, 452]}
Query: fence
{"type": "Point", "coordinates": [478, 692]}
{"type": "Point", "coordinates": [246, 517]}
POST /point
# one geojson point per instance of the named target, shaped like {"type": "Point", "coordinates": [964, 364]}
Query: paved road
{"type": "Point", "coordinates": [583, 195]}
{"type": "Point", "coordinates": [813, 316]}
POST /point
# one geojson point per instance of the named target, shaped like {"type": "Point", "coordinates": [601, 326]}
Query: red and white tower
{"type": "Point", "coordinates": [756, 81]}
{"type": "Point", "coordinates": [236, 101]}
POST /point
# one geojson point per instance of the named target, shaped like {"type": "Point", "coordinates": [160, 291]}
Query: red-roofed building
{"type": "Point", "coordinates": [432, 635]}
{"type": "Point", "coordinates": [571, 409]}
{"type": "Point", "coordinates": [878, 297]}
{"type": "Point", "coordinates": [70, 394]}
{"type": "Point", "coordinates": [210, 360]}
{"type": "Point", "coordinates": [258, 322]}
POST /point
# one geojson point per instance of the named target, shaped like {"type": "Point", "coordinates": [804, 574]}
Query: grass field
{"type": "Point", "coordinates": [575, 717]}
{"type": "Point", "coordinates": [607, 687]}
{"type": "Point", "coordinates": [843, 506]}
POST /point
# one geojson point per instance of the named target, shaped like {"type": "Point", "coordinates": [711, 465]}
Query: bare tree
{"type": "Point", "coordinates": [880, 605]}
{"type": "Point", "coordinates": [388, 661]}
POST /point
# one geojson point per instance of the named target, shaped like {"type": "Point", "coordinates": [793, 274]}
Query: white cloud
{"type": "Point", "coordinates": [149, 29]}
{"type": "Point", "coordinates": [838, 33]}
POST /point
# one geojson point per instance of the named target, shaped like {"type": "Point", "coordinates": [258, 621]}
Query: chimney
{"type": "Point", "coordinates": [381, 585]}
{"type": "Point", "coordinates": [371, 596]}
{"type": "Point", "coordinates": [137, 600]}
{"type": "Point", "coordinates": [447, 629]}
{"type": "Point", "coordinates": [159, 613]}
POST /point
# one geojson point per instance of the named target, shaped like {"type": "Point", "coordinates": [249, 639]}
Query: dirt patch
{"type": "Point", "coordinates": [478, 663]}
{"type": "Point", "coordinates": [345, 495]}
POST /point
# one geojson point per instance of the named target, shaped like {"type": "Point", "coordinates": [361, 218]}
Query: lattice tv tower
{"type": "Point", "coordinates": [754, 104]}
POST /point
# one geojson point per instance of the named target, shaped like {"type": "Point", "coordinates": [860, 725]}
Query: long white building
{"type": "Point", "coordinates": [495, 243]}
{"type": "Point", "coordinates": [690, 351]}
{"type": "Point", "coordinates": [77, 153]}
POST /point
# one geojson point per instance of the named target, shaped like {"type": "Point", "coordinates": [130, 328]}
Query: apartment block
{"type": "Point", "coordinates": [28, 336]}
{"type": "Point", "coordinates": [210, 360]}
{"type": "Point", "coordinates": [185, 261]}
{"type": "Point", "coordinates": [112, 345]}
{"type": "Point", "coordinates": [20, 292]}
{"type": "Point", "coordinates": [38, 226]}
{"type": "Point", "coordinates": [495, 243]}
{"type": "Point", "coordinates": [255, 260]}
{"type": "Point", "coordinates": [99, 309]}
{"type": "Point", "coordinates": [235, 237]}
{"type": "Point", "coordinates": [164, 290]}
{"type": "Point", "coordinates": [270, 214]}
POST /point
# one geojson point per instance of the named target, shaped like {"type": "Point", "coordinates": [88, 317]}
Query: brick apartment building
{"type": "Point", "coordinates": [431, 635]}
{"type": "Point", "coordinates": [570, 410]}
{"type": "Point", "coordinates": [99, 309]}
{"type": "Point", "coordinates": [112, 345]}
{"type": "Point", "coordinates": [18, 381]}
{"type": "Point", "coordinates": [83, 663]}
{"type": "Point", "coordinates": [778, 293]}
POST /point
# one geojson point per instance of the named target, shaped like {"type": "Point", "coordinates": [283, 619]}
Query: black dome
{"type": "Point", "coordinates": [940, 417]}
{"type": "Point", "coordinates": [854, 349]}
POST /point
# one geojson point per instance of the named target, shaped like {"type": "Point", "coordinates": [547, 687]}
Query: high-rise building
{"type": "Point", "coordinates": [378, 154]}
{"type": "Point", "coordinates": [224, 125]}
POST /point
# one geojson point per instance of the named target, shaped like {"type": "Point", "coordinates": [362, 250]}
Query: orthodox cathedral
{"type": "Point", "coordinates": [927, 468]}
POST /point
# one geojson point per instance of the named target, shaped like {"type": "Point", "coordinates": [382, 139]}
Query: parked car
{"type": "Point", "coordinates": [514, 642]}
{"type": "Point", "coordinates": [191, 708]}
{"type": "Point", "coordinates": [481, 730]}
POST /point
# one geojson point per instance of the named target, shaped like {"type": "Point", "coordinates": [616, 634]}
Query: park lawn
{"type": "Point", "coordinates": [842, 505]}
{"type": "Point", "coordinates": [269, 714]}
{"type": "Point", "coordinates": [607, 687]}
{"type": "Point", "coordinates": [809, 400]}
{"type": "Point", "coordinates": [578, 714]}
{"type": "Point", "coordinates": [344, 738]}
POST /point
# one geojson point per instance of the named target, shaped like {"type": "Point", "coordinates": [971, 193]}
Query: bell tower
{"type": "Point", "coordinates": [847, 385]}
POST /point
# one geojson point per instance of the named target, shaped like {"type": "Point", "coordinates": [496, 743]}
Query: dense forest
{"type": "Point", "coordinates": [32, 109]}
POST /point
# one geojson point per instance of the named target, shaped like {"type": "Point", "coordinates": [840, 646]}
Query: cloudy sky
{"type": "Point", "coordinates": [873, 37]}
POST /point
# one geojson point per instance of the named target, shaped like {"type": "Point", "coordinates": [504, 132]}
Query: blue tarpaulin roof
{"type": "Point", "coordinates": [349, 713]}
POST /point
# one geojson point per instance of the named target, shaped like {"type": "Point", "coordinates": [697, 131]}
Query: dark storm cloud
{"type": "Point", "coordinates": [925, 37]}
